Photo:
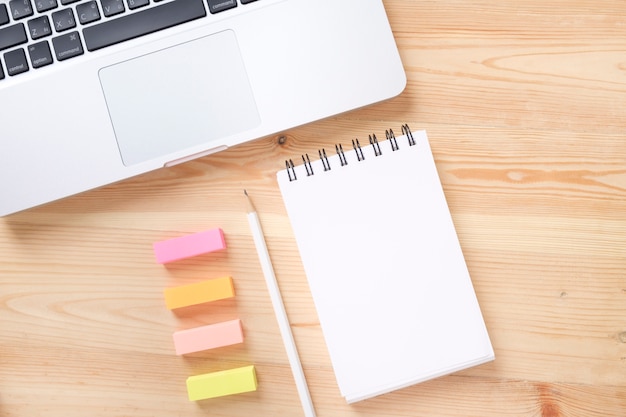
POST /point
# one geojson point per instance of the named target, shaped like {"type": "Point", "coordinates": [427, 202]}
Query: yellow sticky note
{"type": "Point", "coordinates": [219, 384]}
{"type": "Point", "coordinates": [198, 293]}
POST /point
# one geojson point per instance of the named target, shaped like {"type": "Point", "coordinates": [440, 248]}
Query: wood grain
{"type": "Point", "coordinates": [525, 106]}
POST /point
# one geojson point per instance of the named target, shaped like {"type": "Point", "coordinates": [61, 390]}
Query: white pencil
{"type": "Point", "coordinates": [279, 309]}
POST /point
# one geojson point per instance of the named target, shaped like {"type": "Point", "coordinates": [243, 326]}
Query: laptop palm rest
{"type": "Point", "coordinates": [199, 95]}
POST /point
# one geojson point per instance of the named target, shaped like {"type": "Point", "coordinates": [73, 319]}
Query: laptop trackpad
{"type": "Point", "coordinates": [183, 96]}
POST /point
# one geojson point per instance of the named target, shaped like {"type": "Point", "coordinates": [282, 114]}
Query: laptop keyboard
{"type": "Point", "coordinates": [37, 33]}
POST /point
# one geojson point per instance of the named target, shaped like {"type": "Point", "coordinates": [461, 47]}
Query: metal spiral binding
{"type": "Point", "coordinates": [342, 156]}
{"type": "Point", "coordinates": [307, 165]}
{"type": "Point", "coordinates": [392, 140]}
{"type": "Point", "coordinates": [358, 150]}
{"type": "Point", "coordinates": [406, 131]}
{"type": "Point", "coordinates": [375, 145]}
{"type": "Point", "coordinates": [391, 137]}
{"type": "Point", "coordinates": [324, 160]}
{"type": "Point", "coordinates": [291, 170]}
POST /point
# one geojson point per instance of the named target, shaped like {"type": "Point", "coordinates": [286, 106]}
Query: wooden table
{"type": "Point", "coordinates": [525, 106]}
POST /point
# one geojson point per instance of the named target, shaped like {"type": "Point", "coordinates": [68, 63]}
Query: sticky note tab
{"type": "Point", "coordinates": [208, 337]}
{"type": "Point", "coordinates": [198, 293]}
{"type": "Point", "coordinates": [190, 245]}
{"type": "Point", "coordinates": [219, 384]}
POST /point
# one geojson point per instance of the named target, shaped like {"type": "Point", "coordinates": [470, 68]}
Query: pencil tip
{"type": "Point", "coordinates": [249, 204]}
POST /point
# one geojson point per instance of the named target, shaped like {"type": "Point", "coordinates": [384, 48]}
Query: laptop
{"type": "Point", "coordinates": [96, 91]}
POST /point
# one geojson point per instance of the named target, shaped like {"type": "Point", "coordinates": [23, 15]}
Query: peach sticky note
{"type": "Point", "coordinates": [218, 384]}
{"type": "Point", "coordinates": [208, 337]}
{"type": "Point", "coordinates": [199, 292]}
{"type": "Point", "coordinates": [189, 245]}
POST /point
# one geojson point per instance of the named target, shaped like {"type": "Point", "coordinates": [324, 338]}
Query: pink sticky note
{"type": "Point", "coordinates": [208, 337]}
{"type": "Point", "coordinates": [189, 245]}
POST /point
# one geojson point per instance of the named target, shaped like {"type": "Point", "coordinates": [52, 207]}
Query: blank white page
{"type": "Point", "coordinates": [391, 288]}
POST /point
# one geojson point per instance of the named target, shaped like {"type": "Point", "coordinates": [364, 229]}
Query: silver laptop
{"type": "Point", "coordinates": [96, 91]}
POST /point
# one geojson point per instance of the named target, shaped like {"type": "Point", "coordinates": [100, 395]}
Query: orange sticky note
{"type": "Point", "coordinates": [198, 293]}
{"type": "Point", "coordinates": [218, 384]}
{"type": "Point", "coordinates": [208, 337]}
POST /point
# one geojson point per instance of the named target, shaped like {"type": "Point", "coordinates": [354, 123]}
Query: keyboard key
{"type": "Point", "coordinates": [246, 1]}
{"type": "Point", "coordinates": [4, 14]}
{"type": "Point", "coordinates": [63, 20]}
{"type": "Point", "coordinates": [12, 36]}
{"type": "Point", "coordinates": [16, 62]}
{"type": "Point", "coordinates": [40, 54]}
{"type": "Point", "coordinates": [216, 6]}
{"type": "Point", "coordinates": [21, 9]}
{"type": "Point", "coordinates": [88, 12]}
{"type": "Point", "coordinates": [45, 5]}
{"type": "Point", "coordinates": [135, 4]}
{"type": "Point", "coordinates": [65, 2]}
{"type": "Point", "coordinates": [142, 23]}
{"type": "Point", "coordinates": [67, 46]}
{"type": "Point", "coordinates": [39, 27]}
{"type": "Point", "coordinates": [1, 72]}
{"type": "Point", "coordinates": [112, 7]}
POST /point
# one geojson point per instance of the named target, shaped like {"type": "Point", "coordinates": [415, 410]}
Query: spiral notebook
{"type": "Point", "coordinates": [388, 278]}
